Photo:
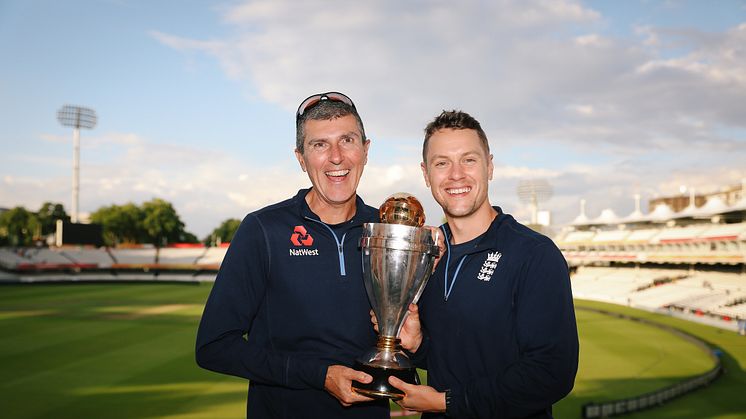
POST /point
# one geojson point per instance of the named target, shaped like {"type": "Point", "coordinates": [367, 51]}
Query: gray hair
{"type": "Point", "coordinates": [325, 110]}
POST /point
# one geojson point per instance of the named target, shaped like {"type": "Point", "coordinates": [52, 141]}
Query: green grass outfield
{"type": "Point", "coordinates": [723, 399]}
{"type": "Point", "coordinates": [126, 351]}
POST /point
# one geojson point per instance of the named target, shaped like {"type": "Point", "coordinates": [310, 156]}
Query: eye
{"type": "Point", "coordinates": [318, 145]}
{"type": "Point", "coordinates": [440, 163]}
{"type": "Point", "coordinates": [347, 141]}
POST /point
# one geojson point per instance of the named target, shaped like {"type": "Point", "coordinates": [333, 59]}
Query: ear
{"type": "Point", "coordinates": [302, 162]}
{"type": "Point", "coordinates": [490, 168]}
{"type": "Point", "coordinates": [424, 174]}
{"type": "Point", "coordinates": [366, 145]}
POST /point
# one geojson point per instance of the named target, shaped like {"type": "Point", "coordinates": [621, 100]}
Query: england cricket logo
{"type": "Point", "coordinates": [489, 265]}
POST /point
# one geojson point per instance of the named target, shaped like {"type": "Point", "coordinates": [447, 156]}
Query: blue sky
{"type": "Point", "coordinates": [196, 99]}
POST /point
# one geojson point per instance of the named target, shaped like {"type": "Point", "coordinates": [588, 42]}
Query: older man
{"type": "Point", "coordinates": [288, 310]}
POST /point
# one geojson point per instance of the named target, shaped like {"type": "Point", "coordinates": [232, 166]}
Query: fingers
{"type": "Point", "coordinates": [352, 374]}
{"type": "Point", "coordinates": [411, 334]}
{"type": "Point", "coordinates": [412, 322]}
{"type": "Point", "coordinates": [339, 384]}
{"type": "Point", "coordinates": [374, 320]}
{"type": "Point", "coordinates": [401, 385]}
{"type": "Point", "coordinates": [413, 314]}
{"type": "Point", "coordinates": [434, 233]}
{"type": "Point", "coordinates": [361, 377]}
{"type": "Point", "coordinates": [439, 240]}
{"type": "Point", "coordinates": [352, 396]}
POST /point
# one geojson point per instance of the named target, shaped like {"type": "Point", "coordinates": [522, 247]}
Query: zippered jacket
{"type": "Point", "coordinates": [288, 302]}
{"type": "Point", "coordinates": [505, 341]}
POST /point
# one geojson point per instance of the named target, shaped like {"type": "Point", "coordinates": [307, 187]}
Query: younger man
{"type": "Point", "coordinates": [498, 335]}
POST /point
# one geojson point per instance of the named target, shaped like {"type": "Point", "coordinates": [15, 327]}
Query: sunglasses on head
{"type": "Point", "coordinates": [314, 100]}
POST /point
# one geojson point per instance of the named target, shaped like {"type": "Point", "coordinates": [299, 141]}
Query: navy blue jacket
{"type": "Point", "coordinates": [288, 302]}
{"type": "Point", "coordinates": [505, 342]}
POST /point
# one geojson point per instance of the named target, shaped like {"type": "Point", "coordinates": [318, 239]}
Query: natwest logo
{"type": "Point", "coordinates": [300, 237]}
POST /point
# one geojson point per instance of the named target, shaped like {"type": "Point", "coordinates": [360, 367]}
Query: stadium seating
{"type": "Point", "coordinates": [213, 257]}
{"type": "Point", "coordinates": [180, 256]}
{"type": "Point", "coordinates": [10, 258]}
{"type": "Point", "coordinates": [138, 256]}
{"type": "Point", "coordinates": [100, 257]}
{"type": "Point", "coordinates": [696, 243]}
{"type": "Point", "coordinates": [185, 263]}
{"type": "Point", "coordinates": [702, 293]}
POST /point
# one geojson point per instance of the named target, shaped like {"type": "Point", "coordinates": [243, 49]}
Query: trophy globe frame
{"type": "Point", "coordinates": [398, 257]}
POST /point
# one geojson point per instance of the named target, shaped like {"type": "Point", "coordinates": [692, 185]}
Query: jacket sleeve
{"type": "Point", "coordinates": [223, 339]}
{"type": "Point", "coordinates": [547, 344]}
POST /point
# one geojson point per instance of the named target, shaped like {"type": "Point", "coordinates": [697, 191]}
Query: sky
{"type": "Point", "coordinates": [196, 100]}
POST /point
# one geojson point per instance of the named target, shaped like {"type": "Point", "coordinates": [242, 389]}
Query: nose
{"type": "Point", "coordinates": [335, 154]}
{"type": "Point", "coordinates": [457, 172]}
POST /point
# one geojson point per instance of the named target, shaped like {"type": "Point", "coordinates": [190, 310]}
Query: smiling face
{"type": "Point", "coordinates": [457, 169]}
{"type": "Point", "coordinates": [334, 155]}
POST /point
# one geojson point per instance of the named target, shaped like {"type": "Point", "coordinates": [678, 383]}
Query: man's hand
{"type": "Point", "coordinates": [439, 240]}
{"type": "Point", "coordinates": [419, 398]}
{"type": "Point", "coordinates": [411, 331]}
{"type": "Point", "coordinates": [339, 384]}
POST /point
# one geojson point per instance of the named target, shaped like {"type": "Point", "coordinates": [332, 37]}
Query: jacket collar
{"type": "Point", "coordinates": [363, 213]}
{"type": "Point", "coordinates": [489, 238]}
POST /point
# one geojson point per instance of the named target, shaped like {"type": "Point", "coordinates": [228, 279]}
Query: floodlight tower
{"type": "Point", "coordinates": [77, 117]}
{"type": "Point", "coordinates": [532, 192]}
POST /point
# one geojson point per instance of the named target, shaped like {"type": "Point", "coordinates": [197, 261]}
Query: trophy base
{"type": "Point", "coordinates": [380, 388]}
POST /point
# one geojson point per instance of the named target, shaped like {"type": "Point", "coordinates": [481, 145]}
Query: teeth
{"type": "Point", "coordinates": [458, 190]}
{"type": "Point", "coordinates": [338, 173]}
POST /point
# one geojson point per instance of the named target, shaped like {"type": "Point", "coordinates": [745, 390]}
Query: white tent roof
{"type": "Point", "coordinates": [661, 213]}
{"type": "Point", "coordinates": [634, 217]}
{"type": "Point", "coordinates": [607, 217]}
{"type": "Point", "coordinates": [714, 206]}
{"type": "Point", "coordinates": [689, 211]}
{"type": "Point", "coordinates": [580, 220]}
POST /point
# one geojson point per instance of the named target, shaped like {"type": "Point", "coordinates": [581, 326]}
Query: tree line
{"type": "Point", "coordinates": [155, 222]}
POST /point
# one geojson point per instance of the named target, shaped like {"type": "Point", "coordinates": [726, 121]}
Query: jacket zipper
{"type": "Point", "coordinates": [340, 245]}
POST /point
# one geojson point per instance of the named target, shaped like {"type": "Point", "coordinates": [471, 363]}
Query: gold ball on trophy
{"type": "Point", "coordinates": [402, 208]}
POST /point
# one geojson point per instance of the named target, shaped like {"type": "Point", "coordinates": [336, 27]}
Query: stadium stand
{"type": "Point", "coordinates": [213, 257]}
{"type": "Point", "coordinates": [137, 256]}
{"type": "Point", "coordinates": [192, 263]}
{"type": "Point", "coordinates": [180, 256]}
{"type": "Point", "coordinates": [10, 258]}
{"type": "Point", "coordinates": [134, 276]}
{"type": "Point", "coordinates": [43, 255]}
{"type": "Point", "coordinates": [691, 263]}
{"type": "Point", "coordinates": [99, 257]}
{"type": "Point", "coordinates": [39, 259]}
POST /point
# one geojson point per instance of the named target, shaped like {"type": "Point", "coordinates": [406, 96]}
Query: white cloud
{"type": "Point", "coordinates": [201, 183]}
{"type": "Point", "coordinates": [601, 117]}
{"type": "Point", "coordinates": [637, 111]}
{"type": "Point", "coordinates": [592, 40]}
